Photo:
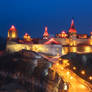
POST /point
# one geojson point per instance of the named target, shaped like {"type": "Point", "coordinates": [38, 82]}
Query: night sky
{"type": "Point", "coordinates": [32, 16]}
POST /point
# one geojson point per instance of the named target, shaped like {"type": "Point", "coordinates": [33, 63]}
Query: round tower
{"type": "Point", "coordinates": [12, 33]}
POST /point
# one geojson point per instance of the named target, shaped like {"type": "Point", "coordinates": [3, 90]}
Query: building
{"type": "Point", "coordinates": [27, 37]}
{"type": "Point", "coordinates": [72, 31]}
{"type": "Point", "coordinates": [63, 34]}
{"type": "Point", "coordinates": [63, 43]}
{"type": "Point", "coordinates": [12, 33]}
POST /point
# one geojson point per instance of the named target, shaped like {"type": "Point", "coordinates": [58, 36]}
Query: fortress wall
{"type": "Point", "coordinates": [47, 49]}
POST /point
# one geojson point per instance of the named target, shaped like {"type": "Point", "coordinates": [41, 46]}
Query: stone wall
{"type": "Point", "coordinates": [47, 49]}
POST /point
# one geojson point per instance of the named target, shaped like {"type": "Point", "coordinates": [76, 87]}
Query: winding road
{"type": "Point", "coordinates": [76, 83]}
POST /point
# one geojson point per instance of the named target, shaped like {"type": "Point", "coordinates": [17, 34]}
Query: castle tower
{"type": "Point", "coordinates": [62, 34]}
{"type": "Point", "coordinates": [12, 33]}
{"type": "Point", "coordinates": [72, 30]}
{"type": "Point", "coordinates": [27, 37]}
{"type": "Point", "coordinates": [46, 35]}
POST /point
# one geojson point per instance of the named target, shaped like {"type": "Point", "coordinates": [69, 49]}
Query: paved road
{"type": "Point", "coordinates": [76, 83]}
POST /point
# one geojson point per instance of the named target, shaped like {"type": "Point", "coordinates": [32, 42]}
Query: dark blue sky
{"type": "Point", "coordinates": [32, 16]}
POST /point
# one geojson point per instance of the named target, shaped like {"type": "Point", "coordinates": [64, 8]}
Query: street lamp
{"type": "Point", "coordinates": [83, 72]}
{"type": "Point", "coordinates": [68, 64]}
{"type": "Point", "coordinates": [62, 68]}
{"type": "Point", "coordinates": [65, 61]}
{"type": "Point", "coordinates": [71, 77]}
{"type": "Point", "coordinates": [74, 68]}
{"type": "Point", "coordinates": [68, 73]}
{"type": "Point", "coordinates": [90, 77]}
{"type": "Point", "coordinates": [57, 64]}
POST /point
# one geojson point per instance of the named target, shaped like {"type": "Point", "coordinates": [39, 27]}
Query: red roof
{"type": "Point", "coordinates": [12, 28]}
{"type": "Point", "coordinates": [52, 40]}
{"type": "Point", "coordinates": [46, 32]}
{"type": "Point", "coordinates": [72, 28]}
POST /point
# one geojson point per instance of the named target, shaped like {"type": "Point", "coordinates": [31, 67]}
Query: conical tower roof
{"type": "Point", "coordinates": [46, 34]}
{"type": "Point", "coordinates": [12, 28]}
{"type": "Point", "coordinates": [72, 27]}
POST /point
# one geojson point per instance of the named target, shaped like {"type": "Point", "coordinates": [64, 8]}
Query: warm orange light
{"type": "Point", "coordinates": [12, 27]}
{"type": "Point", "coordinates": [87, 49]}
{"type": "Point", "coordinates": [90, 41]}
{"type": "Point", "coordinates": [73, 43]}
{"type": "Point", "coordinates": [68, 64]}
{"type": "Point", "coordinates": [57, 64]}
{"type": "Point", "coordinates": [74, 68]}
{"type": "Point", "coordinates": [71, 77]}
{"type": "Point", "coordinates": [68, 73]}
{"type": "Point", "coordinates": [59, 59]}
{"type": "Point", "coordinates": [13, 34]}
{"type": "Point", "coordinates": [90, 77]}
{"type": "Point", "coordinates": [62, 68]}
{"type": "Point", "coordinates": [27, 37]}
{"type": "Point", "coordinates": [82, 86]}
{"type": "Point", "coordinates": [65, 61]}
{"type": "Point", "coordinates": [8, 35]}
{"type": "Point", "coordinates": [65, 50]}
{"type": "Point", "coordinates": [83, 72]}
{"type": "Point", "coordinates": [62, 34]}
{"type": "Point", "coordinates": [73, 49]}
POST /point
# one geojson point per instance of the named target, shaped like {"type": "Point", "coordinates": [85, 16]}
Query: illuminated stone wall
{"type": "Point", "coordinates": [77, 49]}
{"type": "Point", "coordinates": [47, 49]}
{"type": "Point", "coordinates": [50, 49]}
{"type": "Point", "coordinates": [15, 47]}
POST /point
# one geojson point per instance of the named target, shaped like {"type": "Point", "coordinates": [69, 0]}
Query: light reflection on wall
{"type": "Point", "coordinates": [72, 49]}
{"type": "Point", "coordinates": [39, 48]}
{"type": "Point", "coordinates": [90, 41]}
{"type": "Point", "coordinates": [13, 35]}
{"type": "Point", "coordinates": [79, 49]}
{"type": "Point", "coordinates": [65, 50]}
{"type": "Point", "coordinates": [87, 49]}
{"type": "Point", "coordinates": [49, 49]}
{"type": "Point", "coordinates": [73, 42]}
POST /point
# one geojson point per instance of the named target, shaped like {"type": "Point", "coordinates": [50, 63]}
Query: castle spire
{"type": "Point", "coordinates": [72, 27]}
{"type": "Point", "coordinates": [72, 23]}
{"type": "Point", "coordinates": [46, 34]}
